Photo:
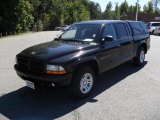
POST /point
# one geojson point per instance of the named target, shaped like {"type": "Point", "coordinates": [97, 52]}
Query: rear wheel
{"type": "Point", "coordinates": [83, 82]}
{"type": "Point", "coordinates": [139, 59]}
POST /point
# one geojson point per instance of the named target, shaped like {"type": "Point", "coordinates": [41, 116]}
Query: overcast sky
{"type": "Point", "coordinates": [131, 2]}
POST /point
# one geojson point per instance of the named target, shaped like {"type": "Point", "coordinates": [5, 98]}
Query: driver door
{"type": "Point", "coordinates": [109, 56]}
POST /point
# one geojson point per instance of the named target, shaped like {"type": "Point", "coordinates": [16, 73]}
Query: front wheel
{"type": "Point", "coordinates": [139, 59]}
{"type": "Point", "coordinates": [83, 82]}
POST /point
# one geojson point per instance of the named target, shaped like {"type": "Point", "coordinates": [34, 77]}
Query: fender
{"type": "Point", "coordinates": [86, 59]}
{"type": "Point", "coordinates": [140, 43]}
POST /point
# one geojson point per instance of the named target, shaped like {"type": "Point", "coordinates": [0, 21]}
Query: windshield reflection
{"type": "Point", "coordinates": [81, 32]}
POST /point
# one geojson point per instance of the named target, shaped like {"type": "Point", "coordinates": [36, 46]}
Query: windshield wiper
{"type": "Point", "coordinates": [73, 40]}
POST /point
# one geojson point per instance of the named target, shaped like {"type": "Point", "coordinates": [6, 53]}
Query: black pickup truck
{"type": "Point", "coordinates": [81, 53]}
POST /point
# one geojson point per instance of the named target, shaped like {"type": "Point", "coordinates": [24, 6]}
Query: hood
{"type": "Point", "coordinates": [53, 50]}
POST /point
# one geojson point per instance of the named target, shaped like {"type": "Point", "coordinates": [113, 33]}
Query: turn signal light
{"type": "Point", "coordinates": [56, 72]}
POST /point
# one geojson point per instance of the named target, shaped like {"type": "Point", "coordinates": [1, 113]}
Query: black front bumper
{"type": "Point", "coordinates": [61, 80]}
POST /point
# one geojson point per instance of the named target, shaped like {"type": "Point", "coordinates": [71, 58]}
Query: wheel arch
{"type": "Point", "coordinates": [89, 61]}
{"type": "Point", "coordinates": [144, 45]}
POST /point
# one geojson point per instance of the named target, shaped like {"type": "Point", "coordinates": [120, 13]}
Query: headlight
{"type": "Point", "coordinates": [55, 69]}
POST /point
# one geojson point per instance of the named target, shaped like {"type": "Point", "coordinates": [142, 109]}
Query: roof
{"type": "Point", "coordinates": [132, 21]}
{"type": "Point", "coordinates": [99, 21]}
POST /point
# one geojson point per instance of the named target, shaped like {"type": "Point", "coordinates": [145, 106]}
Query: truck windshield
{"type": "Point", "coordinates": [81, 32]}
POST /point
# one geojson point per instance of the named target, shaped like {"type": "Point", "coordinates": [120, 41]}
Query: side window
{"type": "Point", "coordinates": [144, 27]}
{"type": "Point", "coordinates": [121, 30]}
{"type": "Point", "coordinates": [137, 29]}
{"type": "Point", "coordinates": [110, 30]}
{"type": "Point", "coordinates": [155, 24]}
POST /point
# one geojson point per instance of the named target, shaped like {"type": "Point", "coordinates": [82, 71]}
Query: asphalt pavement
{"type": "Point", "coordinates": [123, 93]}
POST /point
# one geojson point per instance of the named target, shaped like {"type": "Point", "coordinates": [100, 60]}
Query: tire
{"type": "Point", "coordinates": [139, 59]}
{"type": "Point", "coordinates": [82, 86]}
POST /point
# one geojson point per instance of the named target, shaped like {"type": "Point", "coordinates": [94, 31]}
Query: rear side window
{"type": "Point", "coordinates": [144, 27]}
{"type": "Point", "coordinates": [121, 30]}
{"type": "Point", "coordinates": [155, 24]}
{"type": "Point", "coordinates": [110, 30]}
{"type": "Point", "coordinates": [137, 29]}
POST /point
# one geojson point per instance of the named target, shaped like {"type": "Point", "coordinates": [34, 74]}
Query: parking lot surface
{"type": "Point", "coordinates": [124, 93]}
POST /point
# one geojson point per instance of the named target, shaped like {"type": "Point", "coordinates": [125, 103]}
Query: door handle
{"type": "Point", "coordinates": [118, 45]}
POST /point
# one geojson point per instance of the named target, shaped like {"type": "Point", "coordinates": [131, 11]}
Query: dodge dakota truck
{"type": "Point", "coordinates": [82, 52]}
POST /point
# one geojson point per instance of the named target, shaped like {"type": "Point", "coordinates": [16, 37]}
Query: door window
{"type": "Point", "coordinates": [144, 27]}
{"type": "Point", "coordinates": [121, 30]}
{"type": "Point", "coordinates": [137, 29]}
{"type": "Point", "coordinates": [110, 30]}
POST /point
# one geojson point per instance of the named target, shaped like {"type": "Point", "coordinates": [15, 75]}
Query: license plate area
{"type": "Point", "coordinates": [30, 84]}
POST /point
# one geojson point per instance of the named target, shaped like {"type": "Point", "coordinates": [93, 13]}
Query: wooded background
{"type": "Point", "coordinates": [37, 15]}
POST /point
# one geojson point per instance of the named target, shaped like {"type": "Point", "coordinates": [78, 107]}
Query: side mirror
{"type": "Point", "coordinates": [56, 39]}
{"type": "Point", "coordinates": [108, 38]}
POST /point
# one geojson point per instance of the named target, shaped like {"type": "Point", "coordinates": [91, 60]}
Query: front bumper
{"type": "Point", "coordinates": [61, 80]}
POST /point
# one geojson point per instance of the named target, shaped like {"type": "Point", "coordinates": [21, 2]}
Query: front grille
{"type": "Point", "coordinates": [30, 64]}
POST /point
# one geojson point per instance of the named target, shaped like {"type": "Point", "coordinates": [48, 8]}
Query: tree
{"type": "Point", "coordinates": [133, 8]}
{"type": "Point", "coordinates": [148, 8]}
{"type": "Point", "coordinates": [38, 15]}
{"type": "Point", "coordinates": [8, 19]}
{"type": "Point", "coordinates": [124, 8]}
{"type": "Point", "coordinates": [94, 10]}
{"type": "Point", "coordinates": [117, 12]}
{"type": "Point", "coordinates": [145, 8]}
{"type": "Point", "coordinates": [98, 9]}
{"type": "Point", "coordinates": [75, 12]}
{"type": "Point", "coordinates": [23, 12]}
{"type": "Point", "coordinates": [156, 3]}
{"type": "Point", "coordinates": [108, 14]}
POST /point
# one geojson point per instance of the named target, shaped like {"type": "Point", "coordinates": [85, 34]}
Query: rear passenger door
{"type": "Point", "coordinates": [126, 41]}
